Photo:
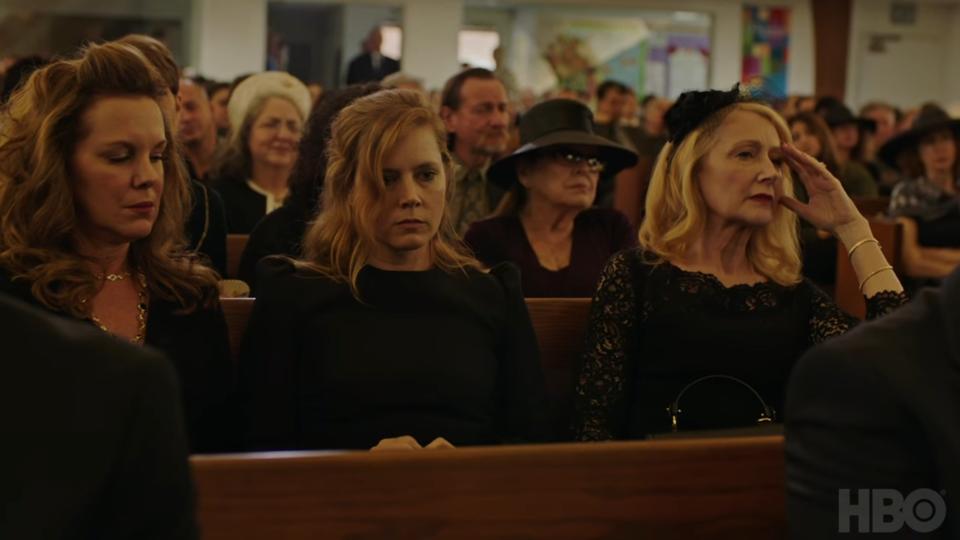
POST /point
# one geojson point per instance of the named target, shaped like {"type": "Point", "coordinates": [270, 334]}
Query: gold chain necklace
{"type": "Point", "coordinates": [113, 277]}
{"type": "Point", "coordinates": [141, 305]}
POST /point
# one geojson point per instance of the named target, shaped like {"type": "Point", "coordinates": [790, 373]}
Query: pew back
{"type": "Point", "coordinates": [236, 311]}
{"type": "Point", "coordinates": [236, 243]}
{"type": "Point", "coordinates": [872, 207]}
{"type": "Point", "coordinates": [699, 488]}
{"type": "Point", "coordinates": [560, 325]}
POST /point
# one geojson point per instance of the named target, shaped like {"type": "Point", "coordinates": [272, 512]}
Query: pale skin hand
{"type": "Point", "coordinates": [829, 207]}
{"type": "Point", "coordinates": [407, 442]}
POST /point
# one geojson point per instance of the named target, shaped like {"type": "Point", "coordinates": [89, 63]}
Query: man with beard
{"type": "Point", "coordinates": [475, 111]}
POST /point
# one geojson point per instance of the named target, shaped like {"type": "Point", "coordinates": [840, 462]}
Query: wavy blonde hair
{"type": "Point", "coordinates": [339, 242]}
{"type": "Point", "coordinates": [39, 129]}
{"type": "Point", "coordinates": [676, 211]}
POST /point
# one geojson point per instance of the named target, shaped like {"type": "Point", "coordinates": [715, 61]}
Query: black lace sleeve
{"type": "Point", "coordinates": [828, 320]}
{"type": "Point", "coordinates": [599, 396]}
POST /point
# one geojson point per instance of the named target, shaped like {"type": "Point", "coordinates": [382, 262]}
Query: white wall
{"type": "Point", "coordinates": [229, 37]}
{"type": "Point", "coordinates": [952, 74]}
{"type": "Point", "coordinates": [919, 66]}
{"type": "Point", "coordinates": [430, 29]}
{"type": "Point", "coordinates": [22, 33]}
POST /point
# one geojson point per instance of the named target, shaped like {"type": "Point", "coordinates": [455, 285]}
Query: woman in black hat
{"type": "Point", "coordinates": [700, 326]}
{"type": "Point", "coordinates": [926, 203]}
{"type": "Point", "coordinates": [851, 137]}
{"type": "Point", "coordinates": [545, 225]}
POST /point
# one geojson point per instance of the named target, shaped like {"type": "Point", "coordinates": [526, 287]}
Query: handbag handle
{"type": "Point", "coordinates": [768, 414]}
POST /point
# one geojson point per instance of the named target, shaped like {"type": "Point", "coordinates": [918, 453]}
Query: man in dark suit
{"type": "Point", "coordinates": [873, 426]}
{"type": "Point", "coordinates": [93, 443]}
{"type": "Point", "coordinates": [370, 65]}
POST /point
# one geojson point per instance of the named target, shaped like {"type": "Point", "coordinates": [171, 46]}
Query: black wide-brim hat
{"type": "Point", "coordinates": [559, 122]}
{"type": "Point", "coordinates": [930, 119]}
{"type": "Point", "coordinates": [837, 114]}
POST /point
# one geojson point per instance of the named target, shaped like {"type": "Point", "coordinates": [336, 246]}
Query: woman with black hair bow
{"type": "Point", "coordinates": [700, 326]}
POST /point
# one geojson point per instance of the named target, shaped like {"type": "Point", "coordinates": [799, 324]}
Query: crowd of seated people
{"type": "Point", "coordinates": [392, 245]}
{"type": "Point", "coordinates": [925, 202]}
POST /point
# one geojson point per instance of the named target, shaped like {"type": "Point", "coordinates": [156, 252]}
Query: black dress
{"type": "Point", "coordinates": [427, 354]}
{"type": "Point", "coordinates": [656, 328]}
{"type": "Point", "coordinates": [245, 207]}
{"type": "Point", "coordinates": [598, 233]}
{"type": "Point", "coordinates": [198, 346]}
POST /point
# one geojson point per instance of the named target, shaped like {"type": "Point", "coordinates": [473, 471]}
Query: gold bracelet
{"type": "Point", "coordinates": [875, 272]}
{"type": "Point", "coordinates": [860, 243]}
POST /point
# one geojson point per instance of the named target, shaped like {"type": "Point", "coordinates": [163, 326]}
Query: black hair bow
{"type": "Point", "coordinates": [692, 108]}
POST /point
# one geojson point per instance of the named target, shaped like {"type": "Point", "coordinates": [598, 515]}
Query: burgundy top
{"type": "Point", "coordinates": [598, 233]}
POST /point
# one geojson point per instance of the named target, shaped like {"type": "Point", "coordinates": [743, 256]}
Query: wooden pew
{"type": "Point", "coordinates": [560, 324]}
{"type": "Point", "coordinates": [847, 293]}
{"type": "Point", "coordinates": [235, 246]}
{"type": "Point", "coordinates": [872, 207]}
{"type": "Point", "coordinates": [237, 313]}
{"type": "Point", "coordinates": [699, 488]}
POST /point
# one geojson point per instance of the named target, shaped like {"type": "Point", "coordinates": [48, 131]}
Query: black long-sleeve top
{"type": "Point", "coordinates": [428, 354]}
{"type": "Point", "coordinates": [656, 328]}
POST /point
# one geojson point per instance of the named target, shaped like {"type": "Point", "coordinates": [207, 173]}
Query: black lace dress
{"type": "Point", "coordinates": [656, 328]}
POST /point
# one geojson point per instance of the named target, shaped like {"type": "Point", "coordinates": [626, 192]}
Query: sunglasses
{"type": "Point", "coordinates": [574, 159]}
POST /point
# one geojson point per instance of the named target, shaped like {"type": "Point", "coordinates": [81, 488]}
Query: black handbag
{"type": "Point", "coordinates": [730, 386]}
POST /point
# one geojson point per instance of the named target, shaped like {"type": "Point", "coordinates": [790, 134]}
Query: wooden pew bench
{"type": "Point", "coordinates": [872, 207]}
{"type": "Point", "coordinates": [696, 488]}
{"type": "Point", "coordinates": [236, 243]}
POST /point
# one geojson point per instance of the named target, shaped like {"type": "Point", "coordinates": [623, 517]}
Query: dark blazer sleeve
{"type": "Point", "coordinates": [357, 70]}
{"type": "Point", "coordinates": [269, 360]}
{"type": "Point", "coordinates": [849, 426]}
{"type": "Point", "coordinates": [388, 66]}
{"type": "Point", "coordinates": [522, 409]}
{"type": "Point", "coordinates": [150, 495]}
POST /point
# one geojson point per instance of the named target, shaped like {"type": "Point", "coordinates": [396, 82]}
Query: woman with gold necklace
{"type": "Point", "coordinates": [91, 222]}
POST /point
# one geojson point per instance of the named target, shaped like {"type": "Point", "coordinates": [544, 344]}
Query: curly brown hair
{"type": "Point", "coordinates": [39, 129]}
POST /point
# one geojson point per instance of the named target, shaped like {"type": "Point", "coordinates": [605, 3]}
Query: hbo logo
{"type": "Point", "coordinates": [887, 511]}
